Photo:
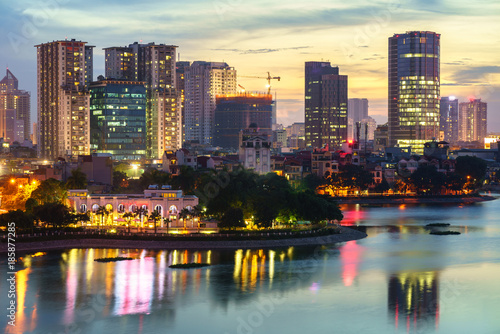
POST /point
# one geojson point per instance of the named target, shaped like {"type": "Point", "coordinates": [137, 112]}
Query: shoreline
{"type": "Point", "coordinates": [416, 200]}
{"type": "Point", "coordinates": [347, 234]}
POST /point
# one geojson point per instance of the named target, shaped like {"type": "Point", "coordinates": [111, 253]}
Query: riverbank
{"type": "Point", "coordinates": [415, 200]}
{"type": "Point", "coordinates": [346, 234]}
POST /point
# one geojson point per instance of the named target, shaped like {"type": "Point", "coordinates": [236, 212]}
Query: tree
{"type": "Point", "coordinates": [426, 179]}
{"type": "Point", "coordinates": [233, 217]}
{"type": "Point", "coordinates": [471, 168]}
{"type": "Point", "coordinates": [312, 182]}
{"type": "Point", "coordinates": [77, 180]}
{"type": "Point", "coordinates": [22, 219]}
{"type": "Point", "coordinates": [141, 212]}
{"type": "Point", "coordinates": [102, 212]}
{"type": "Point", "coordinates": [382, 187]}
{"type": "Point", "coordinates": [120, 180]}
{"type": "Point", "coordinates": [128, 217]}
{"type": "Point", "coordinates": [154, 176]}
{"type": "Point", "coordinates": [185, 180]}
{"type": "Point", "coordinates": [55, 214]}
{"type": "Point", "coordinates": [50, 191]}
{"type": "Point", "coordinates": [155, 216]}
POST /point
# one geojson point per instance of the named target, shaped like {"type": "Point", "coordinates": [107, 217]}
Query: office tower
{"type": "Point", "coordinates": [203, 82]}
{"type": "Point", "coordinates": [368, 127]}
{"type": "Point", "coordinates": [413, 89]}
{"type": "Point", "coordinates": [357, 109]}
{"type": "Point", "coordinates": [448, 123]}
{"type": "Point", "coordinates": [235, 112]}
{"type": "Point", "coordinates": [63, 99]}
{"type": "Point", "coordinates": [325, 105]}
{"type": "Point", "coordinates": [12, 98]}
{"type": "Point", "coordinates": [472, 121]}
{"type": "Point", "coordinates": [155, 65]}
{"type": "Point", "coordinates": [118, 118]}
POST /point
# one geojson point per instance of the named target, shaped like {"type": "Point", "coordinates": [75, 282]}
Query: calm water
{"type": "Point", "coordinates": [398, 280]}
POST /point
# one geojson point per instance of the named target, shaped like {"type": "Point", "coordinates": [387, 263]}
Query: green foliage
{"type": "Point", "coordinates": [56, 214]}
{"type": "Point", "coordinates": [154, 176]}
{"type": "Point", "coordinates": [471, 168]}
{"type": "Point", "coordinates": [77, 180]}
{"type": "Point", "coordinates": [382, 186]}
{"type": "Point", "coordinates": [22, 219]}
{"type": "Point", "coordinates": [185, 180]}
{"type": "Point", "coordinates": [233, 217]}
{"type": "Point", "coordinates": [50, 191]}
{"type": "Point", "coordinates": [426, 179]}
{"type": "Point", "coordinates": [120, 180]}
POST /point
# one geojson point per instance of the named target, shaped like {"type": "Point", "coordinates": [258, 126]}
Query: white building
{"type": "Point", "coordinates": [203, 82]}
{"type": "Point", "coordinates": [255, 150]}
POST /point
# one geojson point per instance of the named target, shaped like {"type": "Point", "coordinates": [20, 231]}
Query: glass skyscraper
{"type": "Point", "coordinates": [118, 118]}
{"type": "Point", "coordinates": [449, 119]}
{"type": "Point", "coordinates": [414, 91]}
{"type": "Point", "coordinates": [325, 105]}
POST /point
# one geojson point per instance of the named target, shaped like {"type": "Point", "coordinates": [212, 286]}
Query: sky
{"type": "Point", "coordinates": [277, 36]}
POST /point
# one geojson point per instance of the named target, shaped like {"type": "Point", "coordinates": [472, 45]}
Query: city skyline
{"type": "Point", "coordinates": [274, 37]}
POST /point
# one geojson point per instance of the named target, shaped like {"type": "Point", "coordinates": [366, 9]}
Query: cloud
{"type": "Point", "coordinates": [474, 75]}
{"type": "Point", "coordinates": [250, 51]}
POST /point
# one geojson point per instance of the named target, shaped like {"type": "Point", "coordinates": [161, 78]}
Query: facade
{"type": "Point", "coordinates": [255, 150]}
{"type": "Point", "coordinates": [180, 86]}
{"type": "Point", "coordinates": [118, 118]}
{"type": "Point", "coordinates": [63, 99]}
{"type": "Point", "coordinates": [472, 121]}
{"type": "Point", "coordinates": [235, 112]}
{"type": "Point", "coordinates": [11, 98]}
{"type": "Point", "coordinates": [169, 203]}
{"type": "Point", "coordinates": [368, 127]}
{"type": "Point", "coordinates": [325, 105]}
{"type": "Point", "coordinates": [357, 110]}
{"type": "Point", "coordinates": [155, 65]}
{"type": "Point", "coordinates": [203, 82]}
{"type": "Point", "coordinates": [448, 123]}
{"type": "Point", "coordinates": [414, 88]}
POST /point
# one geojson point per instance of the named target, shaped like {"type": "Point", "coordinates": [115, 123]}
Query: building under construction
{"type": "Point", "coordinates": [235, 112]}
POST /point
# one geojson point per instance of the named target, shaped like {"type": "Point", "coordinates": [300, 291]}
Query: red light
{"type": "Point", "coordinates": [350, 141]}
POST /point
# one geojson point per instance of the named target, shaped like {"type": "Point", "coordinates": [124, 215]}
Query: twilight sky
{"type": "Point", "coordinates": [277, 36]}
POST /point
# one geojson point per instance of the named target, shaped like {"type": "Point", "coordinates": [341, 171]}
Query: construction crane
{"type": "Point", "coordinates": [268, 78]}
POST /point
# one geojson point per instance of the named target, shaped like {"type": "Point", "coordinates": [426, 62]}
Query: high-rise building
{"type": "Point", "coordinates": [118, 118]}
{"type": "Point", "coordinates": [325, 105]}
{"type": "Point", "coordinates": [448, 123]}
{"type": "Point", "coordinates": [414, 82]}
{"type": "Point", "coordinates": [472, 121]}
{"type": "Point", "coordinates": [368, 127]}
{"type": "Point", "coordinates": [203, 82]}
{"type": "Point", "coordinates": [11, 98]}
{"type": "Point", "coordinates": [180, 86]}
{"type": "Point", "coordinates": [235, 112]}
{"type": "Point", "coordinates": [34, 134]}
{"type": "Point", "coordinates": [63, 99]}
{"type": "Point", "coordinates": [357, 109]}
{"type": "Point", "coordinates": [155, 65]}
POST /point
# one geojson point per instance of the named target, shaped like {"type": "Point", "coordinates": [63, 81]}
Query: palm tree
{"type": "Point", "coordinates": [140, 211]}
{"type": "Point", "coordinates": [166, 220]}
{"type": "Point", "coordinates": [103, 212]}
{"type": "Point", "coordinates": [155, 216]}
{"type": "Point", "coordinates": [77, 180]}
{"type": "Point", "coordinates": [185, 214]}
{"type": "Point", "coordinates": [128, 216]}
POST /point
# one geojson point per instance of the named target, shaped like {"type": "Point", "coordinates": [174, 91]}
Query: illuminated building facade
{"type": "Point", "coordinates": [235, 112]}
{"type": "Point", "coordinates": [118, 118]}
{"type": "Point", "coordinates": [15, 108]}
{"type": "Point", "coordinates": [325, 105]}
{"type": "Point", "coordinates": [180, 86]}
{"type": "Point", "coordinates": [155, 65]}
{"type": "Point", "coordinates": [63, 98]}
{"type": "Point", "coordinates": [414, 88]}
{"type": "Point", "coordinates": [255, 149]}
{"type": "Point", "coordinates": [449, 119]}
{"type": "Point", "coordinates": [472, 121]}
{"type": "Point", "coordinates": [203, 82]}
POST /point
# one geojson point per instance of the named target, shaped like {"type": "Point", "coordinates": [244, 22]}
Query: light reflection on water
{"type": "Point", "coordinates": [399, 279]}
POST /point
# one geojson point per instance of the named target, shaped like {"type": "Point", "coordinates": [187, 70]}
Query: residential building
{"type": "Point", "coordinates": [414, 88]}
{"type": "Point", "coordinates": [472, 121]}
{"type": "Point", "coordinates": [203, 82]}
{"type": "Point", "coordinates": [118, 118]}
{"type": "Point", "coordinates": [235, 112]}
{"type": "Point", "coordinates": [448, 123]}
{"type": "Point", "coordinates": [12, 98]}
{"type": "Point", "coordinates": [155, 65]}
{"type": "Point", "coordinates": [63, 99]}
{"type": "Point", "coordinates": [325, 105]}
{"type": "Point", "coordinates": [255, 150]}
{"type": "Point", "coordinates": [180, 86]}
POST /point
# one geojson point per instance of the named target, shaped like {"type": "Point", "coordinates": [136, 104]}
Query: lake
{"type": "Point", "coordinates": [399, 279]}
